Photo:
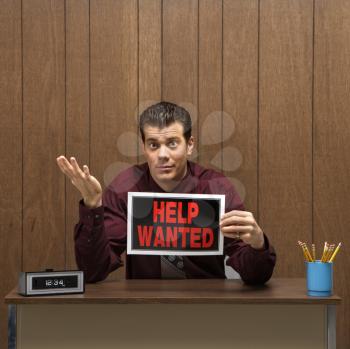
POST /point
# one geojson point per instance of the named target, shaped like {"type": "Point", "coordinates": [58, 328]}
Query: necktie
{"type": "Point", "coordinates": [172, 267]}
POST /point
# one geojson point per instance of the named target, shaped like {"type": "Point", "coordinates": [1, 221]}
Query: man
{"type": "Point", "coordinates": [100, 235]}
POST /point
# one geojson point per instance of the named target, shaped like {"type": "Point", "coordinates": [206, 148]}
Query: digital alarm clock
{"type": "Point", "coordinates": [50, 282]}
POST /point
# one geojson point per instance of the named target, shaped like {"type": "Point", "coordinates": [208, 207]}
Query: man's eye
{"type": "Point", "coordinates": [153, 145]}
{"type": "Point", "coordinates": [173, 144]}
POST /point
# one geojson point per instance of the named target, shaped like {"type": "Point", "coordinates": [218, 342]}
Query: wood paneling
{"type": "Point", "coordinates": [77, 107]}
{"type": "Point", "coordinates": [240, 81]}
{"type": "Point", "coordinates": [114, 90]}
{"type": "Point", "coordinates": [331, 144]}
{"type": "Point", "coordinates": [43, 134]}
{"type": "Point", "coordinates": [210, 84]}
{"type": "Point", "coordinates": [267, 85]}
{"type": "Point", "coordinates": [10, 152]}
{"type": "Point", "coordinates": [150, 56]}
{"type": "Point", "coordinates": [180, 56]}
{"type": "Point", "coordinates": [285, 128]}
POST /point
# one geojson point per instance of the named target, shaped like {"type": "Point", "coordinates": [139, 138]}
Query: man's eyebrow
{"type": "Point", "coordinates": [168, 139]}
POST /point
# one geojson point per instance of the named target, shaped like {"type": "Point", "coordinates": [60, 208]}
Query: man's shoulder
{"type": "Point", "coordinates": [215, 181]}
{"type": "Point", "coordinates": [204, 173]}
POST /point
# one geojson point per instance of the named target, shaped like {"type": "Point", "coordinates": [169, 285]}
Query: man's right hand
{"type": "Point", "coordinates": [89, 186]}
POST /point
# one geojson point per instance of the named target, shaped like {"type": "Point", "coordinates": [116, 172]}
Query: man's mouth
{"type": "Point", "coordinates": [164, 167]}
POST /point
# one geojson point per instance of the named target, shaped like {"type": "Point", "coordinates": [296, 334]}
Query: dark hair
{"type": "Point", "coordinates": [164, 114]}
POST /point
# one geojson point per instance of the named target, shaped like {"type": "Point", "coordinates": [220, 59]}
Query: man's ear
{"type": "Point", "coordinates": [190, 145]}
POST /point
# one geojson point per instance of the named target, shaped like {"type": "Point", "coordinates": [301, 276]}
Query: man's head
{"type": "Point", "coordinates": [166, 134]}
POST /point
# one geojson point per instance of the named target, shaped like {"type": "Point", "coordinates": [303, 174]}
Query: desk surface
{"type": "Point", "coordinates": [191, 291]}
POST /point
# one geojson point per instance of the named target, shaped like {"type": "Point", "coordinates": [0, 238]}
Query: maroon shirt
{"type": "Point", "coordinates": [101, 233]}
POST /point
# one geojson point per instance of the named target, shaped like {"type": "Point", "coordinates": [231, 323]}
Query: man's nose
{"type": "Point", "coordinates": [163, 152]}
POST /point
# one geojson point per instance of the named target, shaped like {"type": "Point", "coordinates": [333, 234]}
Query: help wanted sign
{"type": "Point", "coordinates": [178, 224]}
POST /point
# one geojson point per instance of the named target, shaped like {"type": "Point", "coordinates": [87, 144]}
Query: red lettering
{"type": "Point", "coordinates": [159, 238]}
{"type": "Point", "coordinates": [208, 237]}
{"type": "Point", "coordinates": [158, 211]}
{"type": "Point", "coordinates": [181, 219]}
{"type": "Point", "coordinates": [171, 212]}
{"type": "Point", "coordinates": [171, 236]}
{"type": "Point", "coordinates": [184, 231]}
{"type": "Point", "coordinates": [195, 236]}
{"type": "Point", "coordinates": [193, 211]}
{"type": "Point", "coordinates": [144, 234]}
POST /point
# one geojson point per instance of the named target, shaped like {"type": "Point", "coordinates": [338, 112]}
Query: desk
{"type": "Point", "coordinates": [176, 314]}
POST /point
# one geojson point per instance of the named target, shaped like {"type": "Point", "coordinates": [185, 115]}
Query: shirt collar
{"type": "Point", "coordinates": [186, 185]}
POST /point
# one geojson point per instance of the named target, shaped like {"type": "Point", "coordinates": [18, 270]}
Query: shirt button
{"type": "Point", "coordinates": [97, 216]}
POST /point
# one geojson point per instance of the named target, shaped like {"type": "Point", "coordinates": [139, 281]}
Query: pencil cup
{"type": "Point", "coordinates": [319, 279]}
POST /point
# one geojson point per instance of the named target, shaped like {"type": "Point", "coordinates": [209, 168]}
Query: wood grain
{"type": "Point", "coordinates": [150, 56]}
{"type": "Point", "coordinates": [240, 81]}
{"type": "Point", "coordinates": [114, 88]}
{"type": "Point", "coordinates": [43, 134]}
{"type": "Point", "coordinates": [331, 144]}
{"type": "Point", "coordinates": [180, 57]}
{"type": "Point", "coordinates": [77, 108]}
{"type": "Point", "coordinates": [207, 291]}
{"type": "Point", "coordinates": [10, 152]}
{"type": "Point", "coordinates": [209, 142]}
{"type": "Point", "coordinates": [285, 129]}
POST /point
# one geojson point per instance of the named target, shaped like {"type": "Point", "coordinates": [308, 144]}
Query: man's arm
{"type": "Point", "coordinates": [254, 266]}
{"type": "Point", "coordinates": [248, 248]}
{"type": "Point", "coordinates": [100, 237]}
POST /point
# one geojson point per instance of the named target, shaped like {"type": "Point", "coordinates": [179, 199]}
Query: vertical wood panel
{"type": "Point", "coordinates": [240, 54]}
{"type": "Point", "coordinates": [180, 56]}
{"type": "Point", "coordinates": [44, 134]}
{"type": "Point", "coordinates": [285, 127]}
{"type": "Point", "coordinates": [114, 86]}
{"type": "Point", "coordinates": [10, 152]}
{"type": "Point", "coordinates": [331, 144]}
{"type": "Point", "coordinates": [150, 55]}
{"type": "Point", "coordinates": [210, 84]}
{"type": "Point", "coordinates": [77, 107]}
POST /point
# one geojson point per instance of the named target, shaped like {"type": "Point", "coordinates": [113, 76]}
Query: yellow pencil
{"type": "Point", "coordinates": [335, 252]}
{"type": "Point", "coordinates": [307, 252]}
{"type": "Point", "coordinates": [302, 248]}
{"type": "Point", "coordinates": [313, 251]}
{"type": "Point", "coordinates": [330, 252]}
{"type": "Point", "coordinates": [325, 249]}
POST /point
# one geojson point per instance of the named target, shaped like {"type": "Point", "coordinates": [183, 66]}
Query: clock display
{"type": "Point", "coordinates": [45, 282]}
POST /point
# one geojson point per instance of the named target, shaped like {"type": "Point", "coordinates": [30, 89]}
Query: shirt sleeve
{"type": "Point", "coordinates": [254, 266]}
{"type": "Point", "coordinates": [100, 236]}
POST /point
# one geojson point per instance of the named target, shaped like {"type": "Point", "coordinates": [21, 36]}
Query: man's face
{"type": "Point", "coordinates": [166, 152]}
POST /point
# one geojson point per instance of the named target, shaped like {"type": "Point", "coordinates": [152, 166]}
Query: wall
{"type": "Point", "coordinates": [266, 81]}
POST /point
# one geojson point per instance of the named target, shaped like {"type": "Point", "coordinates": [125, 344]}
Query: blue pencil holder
{"type": "Point", "coordinates": [319, 279]}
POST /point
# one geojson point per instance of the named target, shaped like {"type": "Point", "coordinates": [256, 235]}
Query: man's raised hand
{"type": "Point", "coordinates": [88, 185]}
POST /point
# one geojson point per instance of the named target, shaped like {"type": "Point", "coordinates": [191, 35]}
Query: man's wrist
{"type": "Point", "coordinates": [92, 204]}
{"type": "Point", "coordinates": [260, 245]}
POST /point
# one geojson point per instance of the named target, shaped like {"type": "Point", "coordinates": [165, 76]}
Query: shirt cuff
{"type": "Point", "coordinates": [90, 216]}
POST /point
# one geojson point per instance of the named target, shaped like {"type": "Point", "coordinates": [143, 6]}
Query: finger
{"type": "Point", "coordinates": [65, 167]}
{"type": "Point", "coordinates": [234, 235]}
{"type": "Point", "coordinates": [86, 171]}
{"type": "Point", "coordinates": [236, 213]}
{"type": "Point", "coordinates": [238, 220]}
{"type": "Point", "coordinates": [75, 166]}
{"type": "Point", "coordinates": [237, 229]}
